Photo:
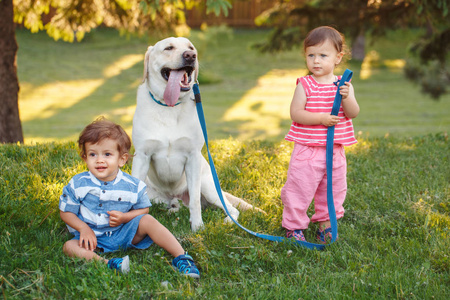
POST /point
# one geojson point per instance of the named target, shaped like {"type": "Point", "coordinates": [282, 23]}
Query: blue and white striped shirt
{"type": "Point", "coordinates": [90, 199]}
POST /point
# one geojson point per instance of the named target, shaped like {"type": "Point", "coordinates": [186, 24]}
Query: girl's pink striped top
{"type": "Point", "coordinates": [319, 99]}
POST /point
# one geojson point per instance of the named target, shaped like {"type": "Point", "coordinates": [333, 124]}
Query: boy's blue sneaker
{"type": "Point", "coordinates": [120, 264]}
{"type": "Point", "coordinates": [185, 264]}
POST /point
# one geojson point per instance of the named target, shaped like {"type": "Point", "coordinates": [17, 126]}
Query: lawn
{"type": "Point", "coordinates": [394, 237]}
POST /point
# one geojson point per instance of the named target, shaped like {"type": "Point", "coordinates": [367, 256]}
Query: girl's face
{"type": "Point", "coordinates": [104, 160]}
{"type": "Point", "coordinates": [322, 58]}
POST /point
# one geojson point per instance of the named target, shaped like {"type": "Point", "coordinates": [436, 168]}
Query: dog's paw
{"type": "Point", "coordinates": [196, 226]}
{"type": "Point", "coordinates": [234, 213]}
{"type": "Point", "coordinates": [173, 205]}
{"type": "Point", "coordinates": [227, 220]}
{"type": "Point", "coordinates": [159, 200]}
{"type": "Point", "coordinates": [174, 210]}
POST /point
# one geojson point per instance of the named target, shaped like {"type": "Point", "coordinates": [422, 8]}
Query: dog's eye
{"type": "Point", "coordinates": [169, 48]}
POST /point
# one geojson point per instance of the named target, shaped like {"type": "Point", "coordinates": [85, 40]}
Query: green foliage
{"type": "Point", "coordinates": [428, 63]}
{"type": "Point", "coordinates": [357, 19]}
{"type": "Point", "coordinates": [218, 6]}
{"type": "Point", "coordinates": [70, 20]}
{"type": "Point", "coordinates": [394, 237]}
{"type": "Point", "coordinates": [438, 9]}
{"type": "Point", "coordinates": [293, 20]}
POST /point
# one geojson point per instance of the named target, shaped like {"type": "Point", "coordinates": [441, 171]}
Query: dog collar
{"type": "Point", "coordinates": [159, 102]}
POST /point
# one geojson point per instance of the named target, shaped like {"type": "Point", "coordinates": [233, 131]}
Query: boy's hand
{"type": "Point", "coordinates": [116, 218]}
{"type": "Point", "coordinates": [329, 120]}
{"type": "Point", "coordinates": [345, 90]}
{"type": "Point", "coordinates": [88, 240]}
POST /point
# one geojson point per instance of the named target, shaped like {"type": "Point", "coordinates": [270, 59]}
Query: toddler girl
{"type": "Point", "coordinates": [311, 115]}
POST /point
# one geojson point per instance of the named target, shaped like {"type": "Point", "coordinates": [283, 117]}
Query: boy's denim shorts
{"type": "Point", "coordinates": [121, 239]}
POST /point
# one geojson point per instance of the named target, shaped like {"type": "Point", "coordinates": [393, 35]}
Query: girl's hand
{"type": "Point", "coordinates": [116, 218]}
{"type": "Point", "coordinates": [329, 120]}
{"type": "Point", "coordinates": [349, 103]}
{"type": "Point", "coordinates": [88, 240]}
{"type": "Point", "coordinates": [345, 90]}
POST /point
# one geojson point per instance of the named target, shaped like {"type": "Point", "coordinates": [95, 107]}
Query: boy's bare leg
{"type": "Point", "coordinates": [72, 248]}
{"type": "Point", "coordinates": [159, 234]}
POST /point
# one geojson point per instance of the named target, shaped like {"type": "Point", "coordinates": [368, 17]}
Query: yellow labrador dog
{"type": "Point", "coordinates": [167, 135]}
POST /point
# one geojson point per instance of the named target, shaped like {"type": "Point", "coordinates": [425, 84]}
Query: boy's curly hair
{"type": "Point", "coordinates": [101, 129]}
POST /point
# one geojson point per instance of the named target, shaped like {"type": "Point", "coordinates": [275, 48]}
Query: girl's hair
{"type": "Point", "coordinates": [320, 34]}
{"type": "Point", "coordinates": [102, 129]}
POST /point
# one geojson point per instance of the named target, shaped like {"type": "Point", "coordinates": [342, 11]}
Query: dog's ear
{"type": "Point", "coordinates": [146, 63]}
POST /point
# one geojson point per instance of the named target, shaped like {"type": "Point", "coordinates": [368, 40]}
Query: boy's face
{"type": "Point", "coordinates": [104, 160]}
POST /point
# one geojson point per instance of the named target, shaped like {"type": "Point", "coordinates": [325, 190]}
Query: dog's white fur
{"type": "Point", "coordinates": [168, 140]}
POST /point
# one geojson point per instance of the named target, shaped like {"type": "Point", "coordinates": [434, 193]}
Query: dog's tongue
{"type": "Point", "coordinates": [172, 92]}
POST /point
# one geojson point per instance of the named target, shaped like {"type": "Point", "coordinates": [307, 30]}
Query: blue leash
{"type": "Point", "coordinates": [329, 162]}
{"type": "Point", "coordinates": [329, 156]}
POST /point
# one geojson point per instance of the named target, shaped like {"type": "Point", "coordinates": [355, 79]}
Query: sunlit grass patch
{"type": "Point", "coordinates": [45, 101]}
{"type": "Point", "coordinates": [437, 215]}
{"type": "Point", "coordinates": [123, 63]}
{"type": "Point", "coordinates": [262, 110]}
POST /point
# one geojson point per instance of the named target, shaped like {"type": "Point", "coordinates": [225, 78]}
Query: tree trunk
{"type": "Point", "coordinates": [10, 126]}
{"type": "Point", "coordinates": [358, 47]}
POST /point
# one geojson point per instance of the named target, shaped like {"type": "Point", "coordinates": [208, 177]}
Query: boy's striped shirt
{"type": "Point", "coordinates": [90, 199]}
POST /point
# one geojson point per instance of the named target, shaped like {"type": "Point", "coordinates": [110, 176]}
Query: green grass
{"type": "Point", "coordinates": [394, 237]}
{"type": "Point", "coordinates": [66, 86]}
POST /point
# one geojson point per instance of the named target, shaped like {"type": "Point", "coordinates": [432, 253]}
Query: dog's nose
{"type": "Point", "coordinates": [189, 56]}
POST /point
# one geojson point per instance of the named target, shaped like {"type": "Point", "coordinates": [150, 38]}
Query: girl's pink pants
{"type": "Point", "coordinates": [307, 179]}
